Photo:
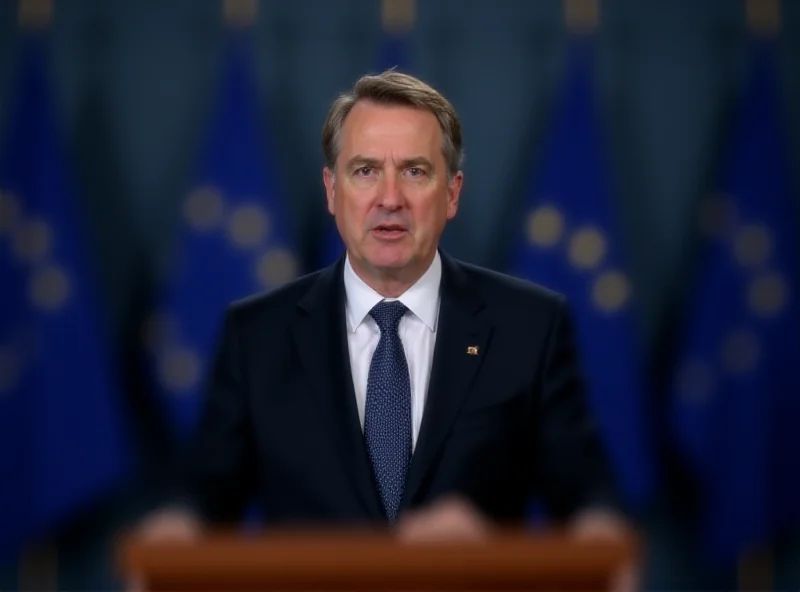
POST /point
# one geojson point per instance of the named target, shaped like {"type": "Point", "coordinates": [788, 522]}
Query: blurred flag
{"type": "Point", "coordinates": [393, 53]}
{"type": "Point", "coordinates": [736, 393]}
{"type": "Point", "coordinates": [395, 44]}
{"type": "Point", "coordinates": [571, 243]}
{"type": "Point", "coordinates": [233, 240]}
{"type": "Point", "coordinates": [63, 437]}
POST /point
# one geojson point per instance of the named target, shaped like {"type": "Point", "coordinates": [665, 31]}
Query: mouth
{"type": "Point", "coordinates": [389, 231]}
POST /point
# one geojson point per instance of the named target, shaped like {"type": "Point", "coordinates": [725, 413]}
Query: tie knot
{"type": "Point", "coordinates": [388, 314]}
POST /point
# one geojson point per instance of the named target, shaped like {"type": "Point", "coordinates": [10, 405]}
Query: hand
{"type": "Point", "coordinates": [169, 525]}
{"type": "Point", "coordinates": [605, 526]}
{"type": "Point", "coordinates": [449, 519]}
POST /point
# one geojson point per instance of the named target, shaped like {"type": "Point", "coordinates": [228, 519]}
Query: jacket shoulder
{"type": "Point", "coordinates": [279, 300]}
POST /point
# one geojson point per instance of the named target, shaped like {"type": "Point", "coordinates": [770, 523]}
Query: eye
{"type": "Point", "coordinates": [364, 171]}
{"type": "Point", "coordinates": [416, 171]}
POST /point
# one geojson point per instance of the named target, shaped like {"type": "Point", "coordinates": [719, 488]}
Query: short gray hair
{"type": "Point", "coordinates": [395, 88]}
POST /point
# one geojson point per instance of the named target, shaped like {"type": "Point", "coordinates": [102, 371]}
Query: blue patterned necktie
{"type": "Point", "coordinates": [387, 416]}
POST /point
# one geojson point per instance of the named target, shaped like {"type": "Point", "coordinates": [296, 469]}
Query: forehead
{"type": "Point", "coordinates": [376, 130]}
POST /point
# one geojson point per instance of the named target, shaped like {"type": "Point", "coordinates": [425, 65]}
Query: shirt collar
{"type": "Point", "coordinates": [422, 299]}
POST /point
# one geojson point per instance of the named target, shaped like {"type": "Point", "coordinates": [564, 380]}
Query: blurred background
{"type": "Point", "coordinates": [159, 159]}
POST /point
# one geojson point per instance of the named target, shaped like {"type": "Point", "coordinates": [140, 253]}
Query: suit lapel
{"type": "Point", "coordinates": [463, 333]}
{"type": "Point", "coordinates": [321, 340]}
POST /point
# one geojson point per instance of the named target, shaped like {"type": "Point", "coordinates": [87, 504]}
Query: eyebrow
{"type": "Point", "coordinates": [359, 161]}
{"type": "Point", "coordinates": [416, 161]}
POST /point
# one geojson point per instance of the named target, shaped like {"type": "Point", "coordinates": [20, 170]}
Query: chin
{"type": "Point", "coordinates": [385, 263]}
{"type": "Point", "coordinates": [388, 260]}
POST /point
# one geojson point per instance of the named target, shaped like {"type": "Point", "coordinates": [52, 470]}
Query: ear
{"type": "Point", "coordinates": [329, 179]}
{"type": "Point", "coordinates": [454, 194]}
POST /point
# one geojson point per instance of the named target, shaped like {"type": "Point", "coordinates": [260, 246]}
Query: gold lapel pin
{"type": "Point", "coordinates": [472, 350]}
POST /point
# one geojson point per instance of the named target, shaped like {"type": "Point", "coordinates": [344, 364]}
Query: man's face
{"type": "Point", "coordinates": [390, 193]}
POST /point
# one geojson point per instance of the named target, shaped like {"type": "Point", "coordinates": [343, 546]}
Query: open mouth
{"type": "Point", "coordinates": [389, 231]}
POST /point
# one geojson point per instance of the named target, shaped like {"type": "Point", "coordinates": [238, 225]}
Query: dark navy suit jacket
{"type": "Point", "coordinates": [506, 418]}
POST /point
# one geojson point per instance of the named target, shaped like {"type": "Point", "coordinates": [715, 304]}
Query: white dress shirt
{"type": "Point", "coordinates": [417, 331]}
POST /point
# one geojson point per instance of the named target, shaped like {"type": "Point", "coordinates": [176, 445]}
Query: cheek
{"type": "Point", "coordinates": [431, 212]}
{"type": "Point", "coordinates": [354, 212]}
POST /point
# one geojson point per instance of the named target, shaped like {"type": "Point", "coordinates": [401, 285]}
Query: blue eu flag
{"type": "Point", "coordinates": [233, 239]}
{"type": "Point", "coordinates": [736, 392]}
{"type": "Point", "coordinates": [571, 243]}
{"type": "Point", "coordinates": [394, 51]}
{"type": "Point", "coordinates": [62, 430]}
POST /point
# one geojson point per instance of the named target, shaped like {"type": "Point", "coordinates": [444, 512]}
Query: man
{"type": "Point", "coordinates": [398, 386]}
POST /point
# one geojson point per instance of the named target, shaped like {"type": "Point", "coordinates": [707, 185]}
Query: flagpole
{"type": "Point", "coordinates": [755, 570]}
{"type": "Point", "coordinates": [38, 567]}
{"type": "Point", "coordinates": [581, 16]}
{"type": "Point", "coordinates": [239, 14]}
{"type": "Point", "coordinates": [398, 16]}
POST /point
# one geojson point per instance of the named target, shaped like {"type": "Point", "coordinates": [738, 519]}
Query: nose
{"type": "Point", "coordinates": [391, 195]}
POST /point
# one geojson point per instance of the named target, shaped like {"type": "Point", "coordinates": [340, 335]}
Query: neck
{"type": "Point", "coordinates": [391, 283]}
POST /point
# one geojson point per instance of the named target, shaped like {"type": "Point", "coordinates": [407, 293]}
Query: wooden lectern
{"type": "Point", "coordinates": [347, 560]}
